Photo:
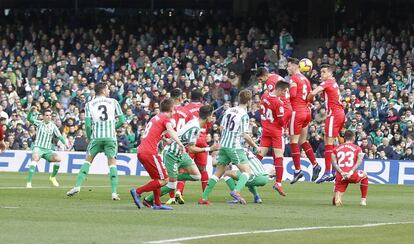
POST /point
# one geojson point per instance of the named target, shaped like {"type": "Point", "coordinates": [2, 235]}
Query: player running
{"type": "Point", "coordinates": [42, 147]}
{"type": "Point", "coordinates": [174, 160]}
{"type": "Point", "coordinates": [336, 116]}
{"type": "Point", "coordinates": [103, 116]}
{"type": "Point", "coordinates": [300, 87]}
{"type": "Point", "coordinates": [346, 159]}
{"type": "Point", "coordinates": [147, 154]}
{"type": "Point", "coordinates": [235, 126]}
{"type": "Point", "coordinates": [273, 124]}
{"type": "Point", "coordinates": [259, 177]}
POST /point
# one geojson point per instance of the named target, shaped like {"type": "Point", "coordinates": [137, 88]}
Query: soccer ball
{"type": "Point", "coordinates": [305, 65]}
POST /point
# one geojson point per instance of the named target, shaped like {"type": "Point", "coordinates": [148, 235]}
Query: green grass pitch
{"type": "Point", "coordinates": [45, 215]}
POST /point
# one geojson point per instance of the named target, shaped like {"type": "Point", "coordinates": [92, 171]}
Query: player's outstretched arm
{"type": "Point", "coordinates": [314, 93]}
{"type": "Point", "coordinates": [31, 116]}
{"type": "Point", "coordinates": [250, 141]}
{"type": "Point", "coordinates": [88, 127]}
{"type": "Point", "coordinates": [194, 149]}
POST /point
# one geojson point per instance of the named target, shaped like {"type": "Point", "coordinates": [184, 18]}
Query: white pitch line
{"type": "Point", "coordinates": [9, 207]}
{"type": "Point", "coordinates": [277, 230]}
{"type": "Point", "coordinates": [50, 187]}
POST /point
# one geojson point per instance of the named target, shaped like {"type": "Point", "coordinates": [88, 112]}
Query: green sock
{"type": "Point", "coordinates": [32, 169]}
{"type": "Point", "coordinates": [210, 185]}
{"type": "Point", "coordinates": [185, 176]}
{"type": "Point", "coordinates": [55, 169]}
{"type": "Point", "coordinates": [164, 190]}
{"type": "Point", "coordinates": [230, 183]}
{"type": "Point", "coordinates": [253, 190]}
{"type": "Point", "coordinates": [83, 172]}
{"type": "Point", "coordinates": [113, 175]}
{"type": "Point", "coordinates": [243, 178]}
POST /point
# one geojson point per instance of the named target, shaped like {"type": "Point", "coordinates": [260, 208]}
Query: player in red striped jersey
{"type": "Point", "coordinates": [346, 159]}
{"type": "Point", "coordinates": [336, 115]}
{"type": "Point", "coordinates": [300, 87]}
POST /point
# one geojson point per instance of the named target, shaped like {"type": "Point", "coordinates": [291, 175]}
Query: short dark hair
{"type": "Point", "coordinates": [261, 71]}
{"type": "Point", "coordinates": [176, 93]}
{"type": "Point", "coordinates": [245, 96]}
{"type": "Point", "coordinates": [205, 111]}
{"type": "Point", "coordinates": [328, 66]}
{"type": "Point", "coordinates": [196, 95]}
{"type": "Point", "coordinates": [100, 87]}
{"type": "Point", "coordinates": [47, 111]}
{"type": "Point", "coordinates": [281, 85]}
{"type": "Point", "coordinates": [349, 135]}
{"type": "Point", "coordinates": [293, 60]}
{"type": "Point", "coordinates": [166, 105]}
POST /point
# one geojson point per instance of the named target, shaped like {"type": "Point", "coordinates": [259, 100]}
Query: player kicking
{"type": "Point", "coordinates": [147, 154]}
{"type": "Point", "coordinates": [260, 177]}
{"type": "Point", "coordinates": [103, 117]}
{"type": "Point", "coordinates": [235, 126]}
{"type": "Point", "coordinates": [346, 159]}
{"type": "Point", "coordinates": [42, 147]}
{"type": "Point", "coordinates": [336, 116]}
{"type": "Point", "coordinates": [174, 160]}
{"type": "Point", "coordinates": [272, 119]}
{"type": "Point", "coordinates": [300, 87]}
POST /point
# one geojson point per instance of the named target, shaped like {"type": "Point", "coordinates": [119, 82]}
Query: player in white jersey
{"type": "Point", "coordinates": [235, 127]}
{"type": "Point", "coordinates": [103, 117]}
{"type": "Point", "coordinates": [43, 146]}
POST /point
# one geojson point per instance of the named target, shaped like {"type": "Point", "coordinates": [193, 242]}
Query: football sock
{"type": "Point", "coordinates": [83, 172]}
{"type": "Point", "coordinates": [295, 155]}
{"type": "Point", "coordinates": [230, 182]}
{"type": "Point", "coordinates": [32, 170]}
{"type": "Point", "coordinates": [279, 169]}
{"type": "Point", "coordinates": [113, 176]}
{"type": "Point", "coordinates": [164, 190]}
{"type": "Point", "coordinates": [204, 179]}
{"type": "Point", "coordinates": [150, 186]}
{"type": "Point", "coordinates": [210, 185]}
{"type": "Point", "coordinates": [253, 190]}
{"type": "Point", "coordinates": [243, 178]}
{"type": "Point", "coordinates": [55, 169]}
{"type": "Point", "coordinates": [328, 158]}
{"type": "Point", "coordinates": [171, 193]}
{"type": "Point", "coordinates": [187, 176]}
{"type": "Point", "coordinates": [364, 188]}
{"type": "Point", "coordinates": [309, 152]}
{"type": "Point", "coordinates": [157, 196]}
{"type": "Point", "coordinates": [260, 157]}
{"type": "Point", "coordinates": [180, 186]}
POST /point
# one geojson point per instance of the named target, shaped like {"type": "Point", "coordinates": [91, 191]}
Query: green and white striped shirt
{"type": "Point", "coordinates": [255, 165]}
{"type": "Point", "coordinates": [235, 122]}
{"type": "Point", "coordinates": [45, 133]}
{"type": "Point", "coordinates": [103, 112]}
{"type": "Point", "coordinates": [188, 135]}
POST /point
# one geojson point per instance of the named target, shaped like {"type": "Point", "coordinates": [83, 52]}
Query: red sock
{"type": "Point", "coordinates": [309, 152]}
{"type": "Point", "coordinates": [364, 188]}
{"type": "Point", "coordinates": [260, 157]}
{"type": "Point", "coordinates": [204, 179]}
{"type": "Point", "coordinates": [279, 169]}
{"type": "Point", "coordinates": [157, 196]}
{"type": "Point", "coordinates": [150, 186]}
{"type": "Point", "coordinates": [328, 158]}
{"type": "Point", "coordinates": [295, 155]}
{"type": "Point", "coordinates": [180, 186]}
{"type": "Point", "coordinates": [172, 193]}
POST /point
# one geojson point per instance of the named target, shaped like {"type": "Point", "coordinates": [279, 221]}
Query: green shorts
{"type": "Point", "coordinates": [173, 163]}
{"type": "Point", "coordinates": [43, 152]}
{"type": "Point", "coordinates": [259, 180]}
{"type": "Point", "coordinates": [109, 147]}
{"type": "Point", "coordinates": [232, 155]}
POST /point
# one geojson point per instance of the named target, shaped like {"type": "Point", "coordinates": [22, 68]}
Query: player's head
{"type": "Point", "coordinates": [281, 88]}
{"type": "Point", "coordinates": [349, 136]}
{"type": "Point", "coordinates": [293, 65]}
{"type": "Point", "coordinates": [47, 115]}
{"type": "Point", "coordinates": [176, 94]}
{"type": "Point", "coordinates": [101, 89]}
{"type": "Point", "coordinates": [245, 97]}
{"type": "Point", "coordinates": [326, 71]}
{"type": "Point", "coordinates": [206, 113]}
{"type": "Point", "coordinates": [167, 105]}
{"type": "Point", "coordinates": [196, 95]}
{"type": "Point", "coordinates": [262, 74]}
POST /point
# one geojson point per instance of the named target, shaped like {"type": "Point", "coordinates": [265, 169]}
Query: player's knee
{"type": "Point", "coordinates": [172, 185]}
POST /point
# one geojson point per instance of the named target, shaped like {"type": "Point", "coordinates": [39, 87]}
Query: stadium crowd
{"type": "Point", "coordinates": [55, 66]}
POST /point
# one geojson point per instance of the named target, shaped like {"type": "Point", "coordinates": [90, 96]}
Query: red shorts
{"type": "Point", "coordinates": [272, 141]}
{"type": "Point", "coordinates": [200, 159]}
{"type": "Point", "coordinates": [341, 185]}
{"type": "Point", "coordinates": [298, 121]}
{"type": "Point", "coordinates": [334, 124]}
{"type": "Point", "coordinates": [286, 118]}
{"type": "Point", "coordinates": [153, 164]}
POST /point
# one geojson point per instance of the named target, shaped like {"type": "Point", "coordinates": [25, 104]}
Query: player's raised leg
{"type": "Point", "coordinates": [32, 167]}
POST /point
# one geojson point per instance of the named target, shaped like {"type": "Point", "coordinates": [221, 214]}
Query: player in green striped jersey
{"type": "Point", "coordinates": [235, 127]}
{"type": "Point", "coordinates": [259, 177]}
{"type": "Point", "coordinates": [174, 160]}
{"type": "Point", "coordinates": [43, 146]}
{"type": "Point", "coordinates": [103, 116]}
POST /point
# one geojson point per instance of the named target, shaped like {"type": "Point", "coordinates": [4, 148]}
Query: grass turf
{"type": "Point", "coordinates": [46, 215]}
